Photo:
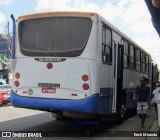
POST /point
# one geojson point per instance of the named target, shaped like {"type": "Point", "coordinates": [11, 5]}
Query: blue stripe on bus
{"type": "Point", "coordinates": [106, 91]}
{"type": "Point", "coordinates": [88, 105]}
{"type": "Point", "coordinates": [105, 101]}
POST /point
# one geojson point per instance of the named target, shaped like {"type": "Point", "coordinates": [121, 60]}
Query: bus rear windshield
{"type": "Point", "coordinates": [54, 36]}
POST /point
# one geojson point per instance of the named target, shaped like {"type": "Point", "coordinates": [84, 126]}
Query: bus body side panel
{"type": "Point", "coordinates": [106, 90]}
{"type": "Point", "coordinates": [97, 99]}
{"type": "Point", "coordinates": [69, 96]}
{"type": "Point", "coordinates": [105, 101]}
{"type": "Point", "coordinates": [64, 79]}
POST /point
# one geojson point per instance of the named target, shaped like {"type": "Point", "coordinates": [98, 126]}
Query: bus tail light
{"type": "Point", "coordinates": [16, 83]}
{"type": "Point", "coordinates": [85, 86]}
{"type": "Point", "coordinates": [17, 75]}
{"type": "Point", "coordinates": [85, 77]}
{"type": "Point", "coordinates": [49, 65]}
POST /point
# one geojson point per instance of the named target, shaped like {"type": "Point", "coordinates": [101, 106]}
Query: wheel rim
{"type": "Point", "coordinates": [122, 112]}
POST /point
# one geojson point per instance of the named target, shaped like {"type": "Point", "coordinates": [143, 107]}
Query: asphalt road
{"type": "Point", "coordinates": [25, 120]}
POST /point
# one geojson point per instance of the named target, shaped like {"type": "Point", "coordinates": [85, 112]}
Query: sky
{"type": "Point", "coordinates": [129, 16]}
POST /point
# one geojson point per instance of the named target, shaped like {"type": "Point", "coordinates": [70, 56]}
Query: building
{"type": "Point", "coordinates": [5, 43]}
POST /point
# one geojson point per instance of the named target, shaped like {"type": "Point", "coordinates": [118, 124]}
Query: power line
{"type": "Point", "coordinates": [114, 3]}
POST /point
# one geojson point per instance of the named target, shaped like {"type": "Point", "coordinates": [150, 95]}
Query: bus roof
{"type": "Point", "coordinates": [83, 14]}
{"type": "Point", "coordinates": [58, 13]}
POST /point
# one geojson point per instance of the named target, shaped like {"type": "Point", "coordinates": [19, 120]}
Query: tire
{"type": "Point", "coordinates": [121, 115]}
{"type": "Point", "coordinates": [135, 111]}
{"type": "Point", "coordinates": [61, 117]}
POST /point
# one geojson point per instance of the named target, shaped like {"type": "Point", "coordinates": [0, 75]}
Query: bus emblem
{"type": "Point", "coordinates": [50, 59]}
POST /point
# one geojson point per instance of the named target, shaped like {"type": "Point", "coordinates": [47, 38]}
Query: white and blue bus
{"type": "Point", "coordinates": [75, 62]}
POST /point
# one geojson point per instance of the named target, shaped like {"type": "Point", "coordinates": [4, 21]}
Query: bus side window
{"type": "Point", "coordinates": [147, 64]}
{"type": "Point", "coordinates": [142, 62]}
{"type": "Point", "coordinates": [132, 57]}
{"type": "Point", "coordinates": [106, 46]}
{"type": "Point", "coordinates": [125, 62]}
{"type": "Point", "coordinates": [137, 59]}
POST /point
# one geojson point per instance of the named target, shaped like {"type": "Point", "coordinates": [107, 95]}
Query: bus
{"type": "Point", "coordinates": [75, 62]}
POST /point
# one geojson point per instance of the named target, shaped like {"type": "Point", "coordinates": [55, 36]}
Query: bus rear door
{"type": "Point", "coordinates": [117, 106]}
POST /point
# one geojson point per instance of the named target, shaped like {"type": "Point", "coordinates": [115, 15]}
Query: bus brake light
{"type": "Point", "coordinates": [16, 83]}
{"type": "Point", "coordinates": [49, 65]}
{"type": "Point", "coordinates": [85, 86]}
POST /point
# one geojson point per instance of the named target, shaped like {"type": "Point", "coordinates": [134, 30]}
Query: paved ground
{"type": "Point", "coordinates": [8, 112]}
{"type": "Point", "coordinates": [18, 119]}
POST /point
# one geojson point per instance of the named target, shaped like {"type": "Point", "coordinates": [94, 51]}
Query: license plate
{"type": "Point", "coordinates": [48, 90]}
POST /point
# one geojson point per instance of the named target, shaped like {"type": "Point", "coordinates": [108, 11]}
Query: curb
{"type": "Point", "coordinates": [154, 128]}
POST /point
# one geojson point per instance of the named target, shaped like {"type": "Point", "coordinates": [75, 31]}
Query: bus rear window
{"type": "Point", "coordinates": [54, 36]}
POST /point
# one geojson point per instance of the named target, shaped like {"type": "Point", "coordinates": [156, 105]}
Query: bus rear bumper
{"type": "Point", "coordinates": [88, 105]}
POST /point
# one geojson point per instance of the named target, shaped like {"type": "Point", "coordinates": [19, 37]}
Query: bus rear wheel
{"type": "Point", "coordinates": [61, 117]}
{"type": "Point", "coordinates": [121, 114]}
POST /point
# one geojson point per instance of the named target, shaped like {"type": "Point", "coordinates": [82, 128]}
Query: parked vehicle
{"type": "Point", "coordinates": [4, 94]}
